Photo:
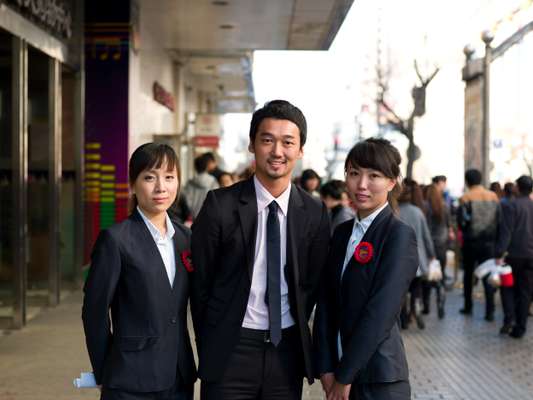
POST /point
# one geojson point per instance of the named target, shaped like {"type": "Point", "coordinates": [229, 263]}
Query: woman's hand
{"type": "Point", "coordinates": [327, 381]}
{"type": "Point", "coordinates": [339, 391]}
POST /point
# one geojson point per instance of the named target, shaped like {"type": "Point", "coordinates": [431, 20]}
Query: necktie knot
{"type": "Point", "coordinates": [273, 207]}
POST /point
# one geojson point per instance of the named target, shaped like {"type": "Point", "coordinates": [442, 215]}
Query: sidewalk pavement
{"type": "Point", "coordinates": [457, 358]}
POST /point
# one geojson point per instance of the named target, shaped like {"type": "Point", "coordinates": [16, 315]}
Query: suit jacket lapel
{"type": "Point", "coordinates": [295, 228]}
{"type": "Point", "coordinates": [340, 252]}
{"type": "Point", "coordinates": [372, 235]}
{"type": "Point", "coordinates": [180, 245]}
{"type": "Point", "coordinates": [149, 248]}
{"type": "Point", "coordinates": [248, 220]}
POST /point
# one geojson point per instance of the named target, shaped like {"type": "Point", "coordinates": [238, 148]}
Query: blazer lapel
{"type": "Point", "coordinates": [149, 248]}
{"type": "Point", "coordinates": [180, 246]}
{"type": "Point", "coordinates": [248, 220]}
{"type": "Point", "coordinates": [340, 252]}
{"type": "Point", "coordinates": [373, 235]}
{"type": "Point", "coordinates": [295, 229]}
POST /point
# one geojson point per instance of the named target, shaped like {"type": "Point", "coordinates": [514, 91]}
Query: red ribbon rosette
{"type": "Point", "coordinates": [186, 259]}
{"type": "Point", "coordinates": [363, 252]}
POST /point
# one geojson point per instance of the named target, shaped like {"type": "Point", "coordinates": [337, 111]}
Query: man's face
{"type": "Point", "coordinates": [276, 148]}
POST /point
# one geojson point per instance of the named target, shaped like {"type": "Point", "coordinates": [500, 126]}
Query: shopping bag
{"type": "Point", "coordinates": [506, 276]}
{"type": "Point", "coordinates": [485, 268]}
{"type": "Point", "coordinates": [434, 271]}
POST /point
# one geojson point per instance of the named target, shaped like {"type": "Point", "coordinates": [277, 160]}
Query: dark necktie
{"type": "Point", "coordinates": [273, 293]}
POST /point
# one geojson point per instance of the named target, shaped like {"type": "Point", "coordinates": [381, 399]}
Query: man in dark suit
{"type": "Point", "coordinates": [258, 249]}
{"type": "Point", "coordinates": [516, 241]}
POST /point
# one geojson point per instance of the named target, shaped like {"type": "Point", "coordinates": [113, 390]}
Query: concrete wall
{"type": "Point", "coordinates": [151, 63]}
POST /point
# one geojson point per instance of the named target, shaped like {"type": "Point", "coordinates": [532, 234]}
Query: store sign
{"type": "Point", "coordinates": [163, 97]}
{"type": "Point", "coordinates": [208, 125]}
{"type": "Point", "coordinates": [53, 15]}
{"type": "Point", "coordinates": [206, 141]}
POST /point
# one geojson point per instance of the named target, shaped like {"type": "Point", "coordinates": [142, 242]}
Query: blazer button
{"type": "Point", "coordinates": [173, 320]}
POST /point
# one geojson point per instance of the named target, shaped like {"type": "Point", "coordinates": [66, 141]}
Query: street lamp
{"type": "Point", "coordinates": [487, 37]}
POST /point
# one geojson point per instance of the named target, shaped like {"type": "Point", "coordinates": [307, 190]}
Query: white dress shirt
{"type": "Point", "coordinates": [256, 316]}
{"type": "Point", "coordinates": [358, 231]}
{"type": "Point", "coordinates": [165, 245]}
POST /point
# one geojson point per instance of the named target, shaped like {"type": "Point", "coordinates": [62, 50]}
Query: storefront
{"type": "Point", "coordinates": [41, 141]}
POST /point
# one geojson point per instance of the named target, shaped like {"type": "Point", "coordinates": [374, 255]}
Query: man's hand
{"type": "Point", "coordinates": [339, 391]}
{"type": "Point", "coordinates": [499, 261]}
{"type": "Point", "coordinates": [327, 381]}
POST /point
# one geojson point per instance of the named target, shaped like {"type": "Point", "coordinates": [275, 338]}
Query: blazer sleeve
{"type": "Point", "coordinates": [104, 273]}
{"type": "Point", "coordinates": [318, 251]}
{"type": "Point", "coordinates": [324, 333]}
{"type": "Point", "coordinates": [205, 241]}
{"type": "Point", "coordinates": [395, 271]}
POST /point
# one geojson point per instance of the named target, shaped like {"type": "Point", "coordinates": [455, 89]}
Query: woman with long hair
{"type": "Point", "coordinates": [135, 304]}
{"type": "Point", "coordinates": [411, 203]}
{"type": "Point", "coordinates": [372, 260]}
{"type": "Point", "coordinates": [438, 219]}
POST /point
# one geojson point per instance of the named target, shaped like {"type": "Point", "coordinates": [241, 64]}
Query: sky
{"type": "Point", "coordinates": [335, 88]}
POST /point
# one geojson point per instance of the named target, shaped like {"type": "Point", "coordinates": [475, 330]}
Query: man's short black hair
{"type": "Point", "coordinates": [439, 178]}
{"type": "Point", "coordinates": [473, 177]}
{"type": "Point", "coordinates": [279, 109]}
{"type": "Point", "coordinates": [524, 185]}
{"type": "Point", "coordinates": [200, 163]}
{"type": "Point", "coordinates": [334, 189]}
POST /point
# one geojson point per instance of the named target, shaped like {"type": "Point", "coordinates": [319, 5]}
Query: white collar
{"type": "Point", "coordinates": [367, 221]}
{"type": "Point", "coordinates": [264, 198]}
{"type": "Point", "coordinates": [156, 234]}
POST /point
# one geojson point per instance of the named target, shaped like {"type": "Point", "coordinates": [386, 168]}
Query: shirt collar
{"type": "Point", "coordinates": [264, 198]}
{"type": "Point", "coordinates": [156, 234]}
{"type": "Point", "coordinates": [367, 221]}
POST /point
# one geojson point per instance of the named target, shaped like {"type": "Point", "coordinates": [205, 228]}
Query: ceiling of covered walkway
{"type": "Point", "coordinates": [215, 38]}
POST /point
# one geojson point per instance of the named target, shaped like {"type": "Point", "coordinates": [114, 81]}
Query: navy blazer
{"type": "Point", "coordinates": [147, 346]}
{"type": "Point", "coordinates": [223, 249]}
{"type": "Point", "coordinates": [365, 304]}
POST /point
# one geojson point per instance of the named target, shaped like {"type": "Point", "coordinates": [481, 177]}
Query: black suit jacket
{"type": "Point", "coordinates": [223, 246]}
{"type": "Point", "coordinates": [147, 347]}
{"type": "Point", "coordinates": [365, 305]}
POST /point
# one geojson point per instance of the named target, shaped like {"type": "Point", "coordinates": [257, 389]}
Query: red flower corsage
{"type": "Point", "coordinates": [186, 259]}
{"type": "Point", "coordinates": [363, 252]}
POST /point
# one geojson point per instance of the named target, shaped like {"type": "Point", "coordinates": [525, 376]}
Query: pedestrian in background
{"type": "Point", "coordinates": [332, 196]}
{"type": "Point", "coordinates": [517, 241]}
{"type": "Point", "coordinates": [479, 218]}
{"type": "Point", "coordinates": [225, 179]}
{"type": "Point", "coordinates": [196, 189]}
{"type": "Point", "coordinates": [371, 262]}
{"type": "Point", "coordinates": [441, 231]}
{"type": "Point", "coordinates": [411, 213]}
{"type": "Point", "coordinates": [310, 182]}
{"type": "Point", "coordinates": [139, 276]}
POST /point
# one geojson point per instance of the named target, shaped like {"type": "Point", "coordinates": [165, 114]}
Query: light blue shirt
{"type": "Point", "coordinates": [165, 244]}
{"type": "Point", "coordinates": [360, 226]}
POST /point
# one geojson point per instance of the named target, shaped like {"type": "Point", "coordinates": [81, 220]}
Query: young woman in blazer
{"type": "Point", "coordinates": [140, 272]}
{"type": "Point", "coordinates": [372, 260]}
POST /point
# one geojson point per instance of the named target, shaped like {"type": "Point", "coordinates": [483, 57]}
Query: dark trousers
{"type": "Point", "coordinates": [381, 391]}
{"type": "Point", "coordinates": [257, 370]}
{"type": "Point", "coordinates": [473, 255]}
{"type": "Point", "coordinates": [523, 287]}
{"type": "Point", "coordinates": [176, 392]}
{"type": "Point", "coordinates": [508, 304]}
